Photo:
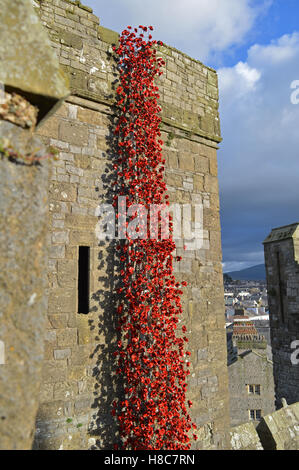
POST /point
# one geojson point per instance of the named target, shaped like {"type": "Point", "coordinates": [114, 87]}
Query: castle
{"type": "Point", "coordinates": [57, 282]}
{"type": "Point", "coordinates": [76, 382]}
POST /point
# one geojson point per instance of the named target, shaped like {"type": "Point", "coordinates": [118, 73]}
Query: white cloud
{"type": "Point", "coordinates": [258, 158]}
{"type": "Point", "coordinates": [281, 50]}
{"type": "Point", "coordinates": [198, 27]}
{"type": "Point", "coordinates": [242, 78]}
{"type": "Point", "coordinates": [250, 75]}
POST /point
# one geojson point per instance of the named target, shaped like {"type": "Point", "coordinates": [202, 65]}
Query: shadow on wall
{"type": "Point", "coordinates": [109, 386]}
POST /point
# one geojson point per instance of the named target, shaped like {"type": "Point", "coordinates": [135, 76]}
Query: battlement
{"type": "Point", "coordinates": [188, 89]}
{"type": "Point", "coordinates": [276, 431]}
{"type": "Point", "coordinates": [76, 3]}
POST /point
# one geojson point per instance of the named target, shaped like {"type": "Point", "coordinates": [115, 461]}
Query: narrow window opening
{"type": "Point", "coordinates": [83, 279]}
{"type": "Point", "coordinates": [255, 415]}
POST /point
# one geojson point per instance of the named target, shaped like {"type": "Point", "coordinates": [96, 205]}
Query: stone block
{"type": "Point", "coordinates": [82, 221]}
{"type": "Point", "coordinates": [69, 39]}
{"type": "Point", "coordinates": [202, 354]}
{"type": "Point", "coordinates": [211, 184]}
{"type": "Point", "coordinates": [60, 354]}
{"type": "Point", "coordinates": [245, 437]}
{"type": "Point", "coordinates": [60, 237]}
{"type": "Point", "coordinates": [75, 133]}
{"type": "Point", "coordinates": [83, 238]}
{"type": "Point", "coordinates": [174, 180]}
{"type": "Point", "coordinates": [76, 373]}
{"type": "Point", "coordinates": [198, 183]}
{"type": "Point", "coordinates": [172, 159]}
{"type": "Point", "coordinates": [49, 128]}
{"type": "Point", "coordinates": [202, 164]}
{"type": "Point", "coordinates": [64, 391]}
{"type": "Point", "coordinates": [50, 410]}
{"type": "Point", "coordinates": [82, 404]}
{"type": "Point", "coordinates": [67, 273]}
{"type": "Point", "coordinates": [46, 393]}
{"type": "Point", "coordinates": [58, 321]}
{"type": "Point", "coordinates": [88, 116]}
{"type": "Point", "coordinates": [62, 192]}
{"type": "Point", "coordinates": [54, 371]}
{"type": "Point", "coordinates": [186, 161]}
{"type": "Point", "coordinates": [62, 300]}
{"type": "Point", "coordinates": [81, 354]}
{"type": "Point", "coordinates": [85, 335]}
{"type": "Point", "coordinates": [107, 35]}
{"type": "Point", "coordinates": [67, 337]}
{"type": "Point", "coordinates": [82, 161]}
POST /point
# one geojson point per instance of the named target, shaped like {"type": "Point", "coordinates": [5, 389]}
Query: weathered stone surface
{"type": "Point", "coordinates": [245, 437]}
{"type": "Point", "coordinates": [73, 132]}
{"type": "Point", "coordinates": [79, 380]}
{"type": "Point", "coordinates": [23, 283]}
{"type": "Point", "coordinates": [280, 430]}
{"type": "Point", "coordinates": [108, 36]}
{"type": "Point", "coordinates": [281, 259]}
{"type": "Point", "coordinates": [30, 63]}
{"type": "Point", "coordinates": [251, 367]}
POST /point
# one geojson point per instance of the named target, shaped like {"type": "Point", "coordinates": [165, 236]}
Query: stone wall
{"type": "Point", "coordinates": [276, 431]}
{"type": "Point", "coordinates": [245, 437]}
{"type": "Point", "coordinates": [281, 258]}
{"type": "Point", "coordinates": [23, 299]}
{"type": "Point", "coordinates": [251, 368]}
{"type": "Point", "coordinates": [23, 216]}
{"type": "Point", "coordinates": [79, 383]}
{"type": "Point", "coordinates": [280, 430]}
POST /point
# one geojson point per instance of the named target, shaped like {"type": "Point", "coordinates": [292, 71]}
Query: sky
{"type": "Point", "coordinates": [254, 46]}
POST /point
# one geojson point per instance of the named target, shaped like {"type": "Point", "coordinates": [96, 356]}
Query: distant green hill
{"type": "Point", "coordinates": [255, 273]}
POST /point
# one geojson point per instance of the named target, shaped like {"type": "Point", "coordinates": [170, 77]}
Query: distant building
{"type": "Point", "coordinates": [243, 295]}
{"type": "Point", "coordinates": [228, 294]}
{"type": "Point", "coordinates": [239, 311]}
{"type": "Point", "coordinates": [282, 269]}
{"type": "Point", "coordinates": [250, 370]}
{"type": "Point", "coordinates": [229, 301]}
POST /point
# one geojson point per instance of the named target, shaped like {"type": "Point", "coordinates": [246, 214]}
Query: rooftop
{"type": "Point", "coordinates": [283, 233]}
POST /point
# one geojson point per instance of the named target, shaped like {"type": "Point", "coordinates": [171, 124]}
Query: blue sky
{"type": "Point", "coordinates": [254, 46]}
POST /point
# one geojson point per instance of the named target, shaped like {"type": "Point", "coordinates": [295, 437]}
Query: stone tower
{"type": "Point", "coordinates": [79, 384]}
{"type": "Point", "coordinates": [281, 258]}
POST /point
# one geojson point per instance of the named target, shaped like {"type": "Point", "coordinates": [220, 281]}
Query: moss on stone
{"type": "Point", "coordinates": [30, 63]}
{"type": "Point", "coordinates": [108, 35]}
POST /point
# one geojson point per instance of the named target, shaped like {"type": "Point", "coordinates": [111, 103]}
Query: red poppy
{"type": "Point", "coordinates": [153, 413]}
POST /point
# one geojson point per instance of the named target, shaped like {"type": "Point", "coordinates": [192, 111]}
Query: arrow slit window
{"type": "Point", "coordinates": [83, 279]}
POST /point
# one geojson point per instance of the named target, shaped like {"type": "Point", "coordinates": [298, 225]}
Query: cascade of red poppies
{"type": "Point", "coordinates": [152, 358]}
